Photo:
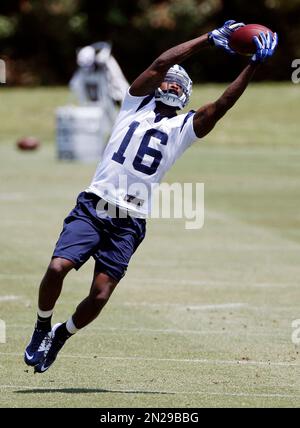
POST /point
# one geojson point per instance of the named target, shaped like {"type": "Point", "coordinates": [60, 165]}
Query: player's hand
{"type": "Point", "coordinates": [266, 45]}
{"type": "Point", "coordinates": [220, 37]}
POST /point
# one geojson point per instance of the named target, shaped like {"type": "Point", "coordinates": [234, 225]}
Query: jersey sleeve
{"type": "Point", "coordinates": [133, 104]}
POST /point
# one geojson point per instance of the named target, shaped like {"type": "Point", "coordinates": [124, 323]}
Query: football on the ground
{"type": "Point", "coordinates": [241, 40]}
{"type": "Point", "coordinates": [28, 143]}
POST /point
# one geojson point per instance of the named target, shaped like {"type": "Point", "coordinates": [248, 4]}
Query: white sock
{"type": "Point", "coordinates": [44, 314]}
{"type": "Point", "coordinates": [71, 327]}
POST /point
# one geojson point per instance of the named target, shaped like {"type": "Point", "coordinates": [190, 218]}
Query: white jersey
{"type": "Point", "coordinates": [142, 148]}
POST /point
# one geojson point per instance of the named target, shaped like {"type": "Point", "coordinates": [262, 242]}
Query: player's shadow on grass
{"type": "Point", "coordinates": [87, 391]}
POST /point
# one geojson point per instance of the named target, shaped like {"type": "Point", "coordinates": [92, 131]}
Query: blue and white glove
{"type": "Point", "coordinates": [221, 36]}
{"type": "Point", "coordinates": [266, 45]}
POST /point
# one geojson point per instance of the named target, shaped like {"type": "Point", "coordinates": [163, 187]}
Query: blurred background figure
{"type": "Point", "coordinates": [99, 86]}
{"type": "Point", "coordinates": [99, 78]}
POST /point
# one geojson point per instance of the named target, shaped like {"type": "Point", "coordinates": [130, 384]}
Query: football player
{"type": "Point", "coordinates": [147, 138]}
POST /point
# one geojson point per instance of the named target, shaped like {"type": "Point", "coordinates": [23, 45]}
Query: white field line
{"type": "Point", "coordinates": [164, 305]}
{"type": "Point", "coordinates": [264, 309]}
{"type": "Point", "coordinates": [92, 331]}
{"type": "Point", "coordinates": [179, 306]}
{"type": "Point", "coordinates": [203, 283]}
{"type": "Point", "coordinates": [136, 391]}
{"type": "Point", "coordinates": [175, 360]}
{"type": "Point", "coordinates": [12, 197]}
{"type": "Point", "coordinates": [9, 298]}
{"type": "Point", "coordinates": [187, 306]}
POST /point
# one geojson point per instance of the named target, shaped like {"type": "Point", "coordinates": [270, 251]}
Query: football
{"type": "Point", "coordinates": [241, 40]}
{"type": "Point", "coordinates": [28, 143]}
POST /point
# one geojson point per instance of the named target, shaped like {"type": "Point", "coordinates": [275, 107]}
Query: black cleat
{"type": "Point", "coordinates": [34, 353]}
{"type": "Point", "coordinates": [53, 347]}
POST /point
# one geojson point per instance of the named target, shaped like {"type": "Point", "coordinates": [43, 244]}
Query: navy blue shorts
{"type": "Point", "coordinates": [110, 241]}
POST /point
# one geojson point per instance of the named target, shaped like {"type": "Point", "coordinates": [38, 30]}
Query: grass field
{"type": "Point", "coordinates": [202, 318]}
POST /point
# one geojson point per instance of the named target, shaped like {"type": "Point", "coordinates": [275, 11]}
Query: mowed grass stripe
{"type": "Point", "coordinates": [94, 331]}
{"type": "Point", "coordinates": [173, 360]}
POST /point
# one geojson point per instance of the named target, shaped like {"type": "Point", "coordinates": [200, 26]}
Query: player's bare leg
{"type": "Point", "coordinates": [49, 292]}
{"type": "Point", "coordinates": [52, 282]}
{"type": "Point", "coordinates": [102, 287]}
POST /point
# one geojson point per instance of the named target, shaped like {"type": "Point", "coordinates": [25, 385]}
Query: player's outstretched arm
{"type": "Point", "coordinates": [207, 116]}
{"type": "Point", "coordinates": [152, 78]}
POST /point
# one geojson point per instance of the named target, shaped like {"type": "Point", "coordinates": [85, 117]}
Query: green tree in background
{"type": "Point", "coordinates": [39, 38]}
